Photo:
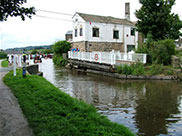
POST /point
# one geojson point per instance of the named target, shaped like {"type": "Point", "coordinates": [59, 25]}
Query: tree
{"type": "Point", "coordinates": [155, 17]}
{"type": "Point", "coordinates": [14, 8]}
{"type": "Point", "coordinates": [61, 47]}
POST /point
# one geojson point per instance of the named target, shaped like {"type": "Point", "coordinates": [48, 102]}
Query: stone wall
{"type": "Point", "coordinates": [176, 61]}
{"type": "Point", "coordinates": [79, 45]}
{"type": "Point", "coordinates": [98, 46]}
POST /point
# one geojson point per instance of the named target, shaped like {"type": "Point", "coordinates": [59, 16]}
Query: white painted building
{"type": "Point", "coordinates": [103, 33]}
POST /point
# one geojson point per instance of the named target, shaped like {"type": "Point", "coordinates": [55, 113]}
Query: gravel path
{"type": "Point", "coordinates": [12, 120]}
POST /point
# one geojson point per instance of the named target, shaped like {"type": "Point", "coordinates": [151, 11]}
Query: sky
{"type": "Point", "coordinates": [41, 30]}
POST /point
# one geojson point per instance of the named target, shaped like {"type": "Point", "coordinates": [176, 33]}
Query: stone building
{"type": "Point", "coordinates": [103, 33]}
{"type": "Point", "coordinates": [69, 36]}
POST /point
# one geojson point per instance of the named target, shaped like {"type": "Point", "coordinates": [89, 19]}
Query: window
{"type": "Point", "coordinates": [130, 48]}
{"type": "Point", "coordinates": [76, 31]}
{"type": "Point", "coordinates": [95, 32]}
{"type": "Point", "coordinates": [81, 31]}
{"type": "Point", "coordinates": [133, 31]}
{"type": "Point", "coordinates": [115, 34]}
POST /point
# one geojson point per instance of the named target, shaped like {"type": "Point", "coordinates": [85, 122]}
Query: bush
{"type": "Point", "coordinates": [124, 69]}
{"type": "Point", "coordinates": [34, 51]}
{"type": "Point", "coordinates": [179, 53]}
{"type": "Point", "coordinates": [135, 69]}
{"type": "Point", "coordinates": [156, 69]}
{"type": "Point", "coordinates": [162, 51]}
{"type": "Point", "coordinates": [59, 60]}
{"type": "Point", "coordinates": [3, 55]}
{"type": "Point", "coordinates": [61, 47]}
{"type": "Point", "coordinates": [138, 69]}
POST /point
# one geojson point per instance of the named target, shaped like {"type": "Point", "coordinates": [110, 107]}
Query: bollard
{"type": "Point", "coordinates": [24, 71]}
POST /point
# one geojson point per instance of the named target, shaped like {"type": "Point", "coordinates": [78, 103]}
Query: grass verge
{"type": "Point", "coordinates": [51, 112]}
{"type": "Point", "coordinates": [4, 63]}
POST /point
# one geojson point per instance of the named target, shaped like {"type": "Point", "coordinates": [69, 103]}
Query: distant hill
{"type": "Point", "coordinates": [30, 48]}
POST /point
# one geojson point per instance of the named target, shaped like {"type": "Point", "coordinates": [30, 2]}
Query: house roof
{"type": "Point", "coordinates": [105, 19]}
{"type": "Point", "coordinates": [69, 32]}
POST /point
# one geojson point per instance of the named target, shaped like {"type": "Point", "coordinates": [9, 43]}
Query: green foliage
{"type": "Point", "coordinates": [159, 52]}
{"type": "Point", "coordinates": [3, 55]}
{"type": "Point", "coordinates": [134, 69]}
{"type": "Point", "coordinates": [156, 69]}
{"type": "Point", "coordinates": [59, 60]}
{"type": "Point", "coordinates": [155, 17]}
{"type": "Point", "coordinates": [4, 63]}
{"type": "Point", "coordinates": [179, 53]}
{"type": "Point", "coordinates": [162, 51]}
{"type": "Point", "coordinates": [124, 69]}
{"type": "Point", "coordinates": [142, 48]}
{"type": "Point", "coordinates": [61, 47]}
{"type": "Point", "coordinates": [138, 69]}
{"type": "Point", "coordinates": [34, 51]}
{"type": "Point", "coordinates": [14, 8]}
{"type": "Point", "coordinates": [51, 112]}
{"type": "Point", "coordinates": [46, 51]}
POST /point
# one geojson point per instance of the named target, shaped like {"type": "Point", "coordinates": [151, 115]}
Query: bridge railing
{"type": "Point", "coordinates": [107, 57]}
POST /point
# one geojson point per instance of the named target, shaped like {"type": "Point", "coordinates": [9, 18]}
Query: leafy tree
{"type": "Point", "coordinates": [34, 51]}
{"type": "Point", "coordinates": [3, 55]}
{"type": "Point", "coordinates": [14, 8]}
{"type": "Point", "coordinates": [155, 17]}
{"type": "Point", "coordinates": [61, 47]}
{"type": "Point", "coordinates": [162, 51]}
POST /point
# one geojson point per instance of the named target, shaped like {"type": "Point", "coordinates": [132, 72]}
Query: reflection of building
{"type": "Point", "coordinates": [68, 36]}
{"type": "Point", "coordinates": [104, 33]}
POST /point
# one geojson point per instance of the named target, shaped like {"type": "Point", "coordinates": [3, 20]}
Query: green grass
{"type": "Point", "coordinates": [51, 112]}
{"type": "Point", "coordinates": [4, 63]}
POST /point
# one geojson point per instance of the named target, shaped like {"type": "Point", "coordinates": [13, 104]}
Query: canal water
{"type": "Point", "coordinates": [148, 108]}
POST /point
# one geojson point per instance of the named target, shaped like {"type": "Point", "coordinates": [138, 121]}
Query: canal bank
{"type": "Point", "coordinates": [147, 107]}
{"type": "Point", "coordinates": [110, 71]}
{"type": "Point", "coordinates": [52, 112]}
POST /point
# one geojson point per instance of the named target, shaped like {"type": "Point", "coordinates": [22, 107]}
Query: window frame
{"type": "Point", "coordinates": [81, 31]}
{"type": "Point", "coordinates": [95, 32]}
{"type": "Point", "coordinates": [115, 36]}
{"type": "Point", "coordinates": [133, 31]}
{"type": "Point", "coordinates": [76, 32]}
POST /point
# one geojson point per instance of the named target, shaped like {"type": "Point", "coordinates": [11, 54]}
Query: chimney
{"type": "Point", "coordinates": [127, 11]}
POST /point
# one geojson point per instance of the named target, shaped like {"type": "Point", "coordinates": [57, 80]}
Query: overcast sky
{"type": "Point", "coordinates": [45, 31]}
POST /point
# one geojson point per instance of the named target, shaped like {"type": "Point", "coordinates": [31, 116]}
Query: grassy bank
{"type": "Point", "coordinates": [51, 112]}
{"type": "Point", "coordinates": [4, 63]}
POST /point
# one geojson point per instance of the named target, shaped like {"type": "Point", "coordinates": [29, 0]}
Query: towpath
{"type": "Point", "coordinates": [12, 120]}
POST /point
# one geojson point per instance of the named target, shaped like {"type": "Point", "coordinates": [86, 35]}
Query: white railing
{"type": "Point", "coordinates": [107, 57]}
{"type": "Point", "coordinates": [99, 57]}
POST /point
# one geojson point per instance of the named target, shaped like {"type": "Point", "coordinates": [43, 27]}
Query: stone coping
{"type": "Point", "coordinates": [132, 77]}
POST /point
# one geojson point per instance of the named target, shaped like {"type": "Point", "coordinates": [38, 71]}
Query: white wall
{"type": "Point", "coordinates": [105, 32]}
{"type": "Point", "coordinates": [77, 24]}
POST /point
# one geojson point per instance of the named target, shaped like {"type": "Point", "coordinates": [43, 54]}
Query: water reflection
{"type": "Point", "coordinates": [147, 107]}
{"type": "Point", "coordinates": [155, 110]}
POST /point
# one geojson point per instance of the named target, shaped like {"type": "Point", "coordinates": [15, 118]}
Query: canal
{"type": "Point", "coordinates": [148, 108]}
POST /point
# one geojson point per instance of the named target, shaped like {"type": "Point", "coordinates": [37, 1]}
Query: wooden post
{"type": "Point", "coordinates": [145, 58]}
{"type": "Point", "coordinates": [100, 60]}
{"type": "Point", "coordinates": [14, 66]}
{"type": "Point", "coordinates": [90, 56]}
